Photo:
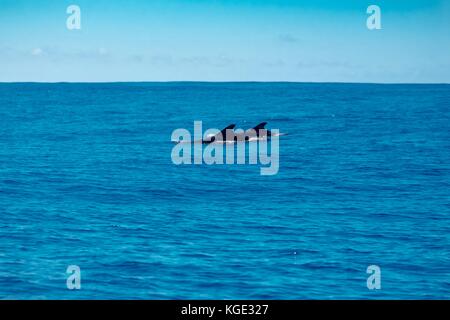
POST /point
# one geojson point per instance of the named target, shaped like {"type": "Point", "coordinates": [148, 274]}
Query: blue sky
{"type": "Point", "coordinates": [225, 40]}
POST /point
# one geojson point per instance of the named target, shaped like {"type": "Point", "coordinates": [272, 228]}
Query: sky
{"type": "Point", "coordinates": [225, 40]}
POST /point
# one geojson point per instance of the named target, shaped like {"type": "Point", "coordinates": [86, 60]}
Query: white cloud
{"type": "Point", "coordinates": [102, 51]}
{"type": "Point", "coordinates": [37, 52]}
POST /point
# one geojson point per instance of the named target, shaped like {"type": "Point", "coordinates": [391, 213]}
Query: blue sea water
{"type": "Point", "coordinates": [86, 178]}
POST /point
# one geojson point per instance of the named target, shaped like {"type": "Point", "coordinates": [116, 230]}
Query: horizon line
{"type": "Point", "coordinates": [222, 82]}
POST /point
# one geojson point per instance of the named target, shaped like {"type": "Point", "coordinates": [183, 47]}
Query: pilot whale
{"type": "Point", "coordinates": [229, 135]}
{"type": "Point", "coordinates": [188, 150]}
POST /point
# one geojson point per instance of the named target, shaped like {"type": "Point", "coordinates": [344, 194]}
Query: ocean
{"type": "Point", "coordinates": [87, 179]}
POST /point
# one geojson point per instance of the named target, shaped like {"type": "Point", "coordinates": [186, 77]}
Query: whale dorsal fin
{"type": "Point", "coordinates": [224, 131]}
{"type": "Point", "coordinates": [260, 126]}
